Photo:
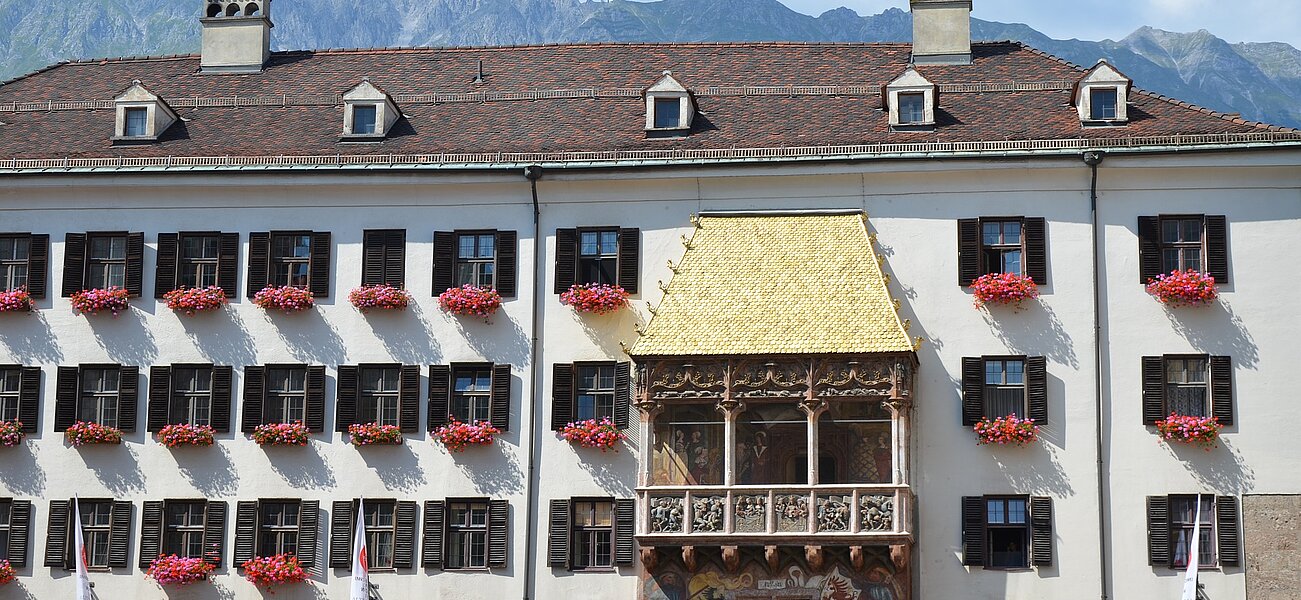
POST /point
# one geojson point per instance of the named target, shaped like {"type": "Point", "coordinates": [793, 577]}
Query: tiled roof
{"type": "Point", "coordinates": [567, 99]}
{"type": "Point", "coordinates": [780, 284]}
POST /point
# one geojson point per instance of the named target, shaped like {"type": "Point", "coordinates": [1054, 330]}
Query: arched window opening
{"type": "Point", "coordinates": [214, 10]}
{"type": "Point", "coordinates": [232, 9]}
{"type": "Point", "coordinates": [252, 10]}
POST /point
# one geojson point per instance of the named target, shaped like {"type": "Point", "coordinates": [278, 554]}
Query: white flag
{"type": "Point", "coordinates": [360, 568]}
{"type": "Point", "coordinates": [79, 554]}
{"type": "Point", "coordinates": [1194, 553]}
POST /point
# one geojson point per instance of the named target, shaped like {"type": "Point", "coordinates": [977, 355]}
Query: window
{"type": "Point", "coordinates": [278, 527]}
{"type": "Point", "coordinates": [1103, 104]}
{"type": "Point", "coordinates": [379, 533]}
{"type": "Point", "coordinates": [1183, 517]}
{"type": "Point", "coordinates": [668, 113]}
{"type": "Point", "coordinates": [383, 257]}
{"type": "Point", "coordinates": [912, 108]}
{"type": "Point", "coordinates": [99, 396]}
{"type": "Point", "coordinates": [137, 120]}
{"type": "Point", "coordinates": [595, 392]}
{"type": "Point", "coordinates": [286, 395]}
{"type": "Point", "coordinates": [855, 443]}
{"type": "Point", "coordinates": [593, 534]}
{"type": "Point", "coordinates": [1008, 532]}
{"type": "Point", "coordinates": [106, 261]}
{"type": "Point", "coordinates": [467, 535]}
{"type": "Point", "coordinates": [378, 398]}
{"type": "Point", "coordinates": [1181, 243]}
{"type": "Point", "coordinates": [183, 528]}
{"type": "Point", "coordinates": [363, 119]}
{"type": "Point", "coordinates": [598, 256]}
{"type": "Point", "coordinates": [773, 439]}
{"type": "Point", "coordinates": [291, 257]}
{"type": "Point", "coordinates": [198, 261]}
{"type": "Point", "coordinates": [688, 446]}
{"type": "Point", "coordinates": [472, 394]}
{"type": "Point", "coordinates": [96, 524]}
{"type": "Point", "coordinates": [476, 259]}
{"type": "Point", "coordinates": [1001, 246]}
{"type": "Point", "coordinates": [191, 396]}
{"type": "Point", "coordinates": [1004, 388]}
{"type": "Point", "coordinates": [1187, 386]}
{"type": "Point", "coordinates": [10, 393]}
{"type": "Point", "coordinates": [14, 255]}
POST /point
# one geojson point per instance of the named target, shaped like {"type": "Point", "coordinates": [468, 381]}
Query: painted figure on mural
{"type": "Point", "coordinates": [760, 454]}
{"type": "Point", "coordinates": [883, 456]}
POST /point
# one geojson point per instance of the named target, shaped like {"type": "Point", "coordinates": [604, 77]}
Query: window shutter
{"type": "Point", "coordinates": [38, 265]}
{"type": "Point", "coordinates": [1226, 530]}
{"type": "Point", "coordinates": [318, 276]}
{"type": "Point", "coordinates": [128, 396]}
{"type": "Point", "coordinates": [151, 532]}
{"type": "Point", "coordinates": [160, 398]}
{"type": "Point", "coordinates": [1222, 389]}
{"type": "Point", "coordinates": [65, 397]}
{"type": "Point", "coordinates": [440, 395]}
{"type": "Point", "coordinates": [625, 524]}
{"type": "Point", "coordinates": [1217, 248]}
{"type": "Point", "coordinates": [1153, 389]}
{"type": "Point", "coordinates": [395, 258]}
{"type": "Point", "coordinates": [973, 531]}
{"type": "Point", "coordinates": [56, 534]}
{"type": "Point", "coordinates": [228, 263]}
{"type": "Point", "coordinates": [119, 534]}
{"type": "Point", "coordinates": [500, 405]}
{"type": "Point", "coordinates": [558, 541]}
{"type": "Point", "coordinates": [1158, 531]}
{"type": "Point", "coordinates": [20, 532]}
{"type": "Point", "coordinates": [214, 532]}
{"type": "Point", "coordinates": [29, 398]}
{"type": "Point", "coordinates": [968, 251]}
{"type": "Point", "coordinates": [507, 263]}
{"type": "Point", "coordinates": [629, 258]}
{"type": "Point", "coordinates": [404, 535]}
{"type": "Point", "coordinates": [973, 390]}
{"type": "Point", "coordinates": [622, 394]}
{"type": "Point", "coordinates": [444, 261]}
{"type": "Point", "coordinates": [341, 515]}
{"type": "Point", "coordinates": [373, 244]}
{"type": "Point", "coordinates": [309, 514]}
{"type": "Point", "coordinates": [1149, 248]}
{"type": "Point", "coordinates": [345, 409]}
{"type": "Point", "coordinates": [135, 264]}
{"type": "Point", "coordinates": [1036, 384]}
{"type": "Point", "coordinates": [432, 547]}
{"type": "Point", "coordinates": [566, 259]}
{"type": "Point", "coordinates": [315, 398]}
{"type": "Point", "coordinates": [1036, 249]}
{"type": "Point", "coordinates": [245, 532]}
{"type": "Point", "coordinates": [409, 398]}
{"type": "Point", "coordinates": [254, 394]}
{"type": "Point", "coordinates": [498, 532]}
{"type": "Point", "coordinates": [1041, 531]}
{"type": "Point", "coordinates": [259, 257]}
{"type": "Point", "coordinates": [74, 263]}
{"type": "Point", "coordinates": [562, 395]}
{"type": "Point", "coordinates": [165, 273]}
{"type": "Point", "coordinates": [221, 398]}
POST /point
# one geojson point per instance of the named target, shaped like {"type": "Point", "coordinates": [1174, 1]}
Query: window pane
{"type": "Point", "coordinates": [991, 233]}
{"type": "Point", "coordinates": [363, 119]}
{"type": "Point", "coordinates": [1103, 103]}
{"type": "Point", "coordinates": [667, 112]}
{"type": "Point", "coordinates": [912, 108]}
{"type": "Point", "coordinates": [466, 247]}
{"type": "Point", "coordinates": [993, 372]}
{"type": "Point", "coordinates": [994, 512]}
{"type": "Point", "coordinates": [1015, 372]}
{"type": "Point", "coordinates": [1192, 230]}
{"type": "Point", "coordinates": [588, 245]}
{"type": "Point", "coordinates": [609, 242]}
{"type": "Point", "coordinates": [688, 447]}
{"type": "Point", "coordinates": [487, 246]}
{"type": "Point", "coordinates": [775, 437]}
{"type": "Point", "coordinates": [136, 121]}
{"type": "Point", "coordinates": [1011, 262]}
{"type": "Point", "coordinates": [1169, 231]}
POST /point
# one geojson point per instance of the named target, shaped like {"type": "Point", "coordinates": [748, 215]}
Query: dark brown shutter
{"type": "Point", "coordinates": [1036, 386]}
{"type": "Point", "coordinates": [444, 261]}
{"type": "Point", "coordinates": [373, 244]}
{"type": "Point", "coordinates": [507, 263]}
{"type": "Point", "coordinates": [128, 397]}
{"type": "Point", "coordinates": [29, 398]}
{"type": "Point", "coordinates": [315, 398]}
{"type": "Point", "coordinates": [1153, 389]}
{"type": "Point", "coordinates": [558, 541]}
{"type": "Point", "coordinates": [431, 550]}
{"type": "Point", "coordinates": [1217, 248]}
{"type": "Point", "coordinates": [1158, 531]}
{"type": "Point", "coordinates": [20, 532]}
{"type": "Point", "coordinates": [498, 532]}
{"type": "Point", "coordinates": [1226, 530]}
{"type": "Point", "coordinates": [440, 395]}
{"type": "Point", "coordinates": [135, 264]}
{"type": "Point", "coordinates": [629, 258]}
{"type": "Point", "coordinates": [151, 532]}
{"type": "Point", "coordinates": [318, 276]}
{"type": "Point", "coordinates": [221, 397]}
{"type": "Point", "coordinates": [968, 251]}
{"type": "Point", "coordinates": [74, 263]}
{"type": "Point", "coordinates": [168, 257]}
{"type": "Point", "coordinates": [1222, 389]}
{"type": "Point", "coordinates": [625, 525]}
{"type": "Point", "coordinates": [395, 258]}
{"type": "Point", "coordinates": [254, 395]}
{"type": "Point", "coordinates": [345, 407]}
{"type": "Point", "coordinates": [973, 390]}
{"type": "Point", "coordinates": [1036, 249]}
{"type": "Point", "coordinates": [214, 533]}
{"type": "Point", "coordinates": [1149, 248]}
{"type": "Point", "coordinates": [228, 263]}
{"type": "Point", "coordinates": [404, 535]}
{"type": "Point", "coordinates": [341, 515]}
{"type": "Point", "coordinates": [409, 398]}
{"type": "Point", "coordinates": [245, 532]}
{"type": "Point", "coordinates": [973, 531]}
{"type": "Point", "coordinates": [622, 394]}
{"type": "Point", "coordinates": [562, 395]}
{"type": "Point", "coordinates": [1041, 531]}
{"type": "Point", "coordinates": [500, 404]}
{"type": "Point", "coordinates": [259, 258]}
{"type": "Point", "coordinates": [309, 515]}
{"type": "Point", "coordinates": [38, 265]}
{"type": "Point", "coordinates": [566, 259]}
{"type": "Point", "coordinates": [56, 534]}
{"type": "Point", "coordinates": [119, 534]}
{"type": "Point", "coordinates": [160, 398]}
{"type": "Point", "coordinates": [67, 384]}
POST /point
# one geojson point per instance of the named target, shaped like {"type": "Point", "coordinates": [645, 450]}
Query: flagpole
{"type": "Point", "coordinates": [360, 567]}
{"type": "Point", "coordinates": [83, 591]}
{"type": "Point", "coordinates": [1194, 553]}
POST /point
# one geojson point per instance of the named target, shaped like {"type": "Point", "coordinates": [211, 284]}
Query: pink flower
{"type": "Point", "coordinates": [596, 298]}
{"type": "Point", "coordinates": [270, 571]}
{"type": "Point", "coordinates": [281, 434]}
{"type": "Point", "coordinates": [1003, 288]}
{"type": "Point", "coordinates": [1183, 288]}
{"type": "Point", "coordinates": [603, 434]}
{"type": "Point", "coordinates": [174, 570]}
{"type": "Point", "coordinates": [469, 300]}
{"type": "Point", "coordinates": [7, 573]}
{"type": "Point", "coordinates": [379, 297]}
{"type": "Point", "coordinates": [287, 299]}
{"type": "Point", "coordinates": [457, 436]}
{"type": "Point", "coordinates": [11, 433]}
{"type": "Point", "coordinates": [16, 301]}
{"type": "Point", "coordinates": [91, 302]}
{"type": "Point", "coordinates": [177, 435]}
{"type": "Point", "coordinates": [84, 433]}
{"type": "Point", "coordinates": [194, 300]}
{"type": "Point", "coordinates": [1198, 431]}
{"type": "Point", "coordinates": [372, 434]}
{"type": "Point", "coordinates": [1006, 430]}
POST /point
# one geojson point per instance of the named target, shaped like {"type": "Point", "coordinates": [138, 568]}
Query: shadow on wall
{"type": "Point", "coordinates": [310, 338]}
{"type": "Point", "coordinates": [29, 339]}
{"type": "Point", "coordinates": [301, 467]}
{"type": "Point", "coordinates": [116, 466]}
{"type": "Point", "coordinates": [610, 470]}
{"type": "Point", "coordinates": [1033, 329]}
{"type": "Point", "coordinates": [1033, 469]}
{"type": "Point", "coordinates": [22, 474]}
{"type": "Point", "coordinates": [125, 338]}
{"type": "Point", "coordinates": [21, 591]}
{"type": "Point", "coordinates": [209, 470]}
{"type": "Point", "coordinates": [398, 467]}
{"type": "Point", "coordinates": [408, 338]}
{"type": "Point", "coordinates": [221, 337]}
{"type": "Point", "coordinates": [207, 591]}
{"type": "Point", "coordinates": [501, 340]}
{"type": "Point", "coordinates": [1215, 329]}
{"type": "Point", "coordinates": [1221, 469]}
{"type": "Point", "coordinates": [604, 330]}
{"type": "Point", "coordinates": [495, 471]}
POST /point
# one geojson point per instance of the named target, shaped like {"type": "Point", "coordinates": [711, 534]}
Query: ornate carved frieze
{"type": "Point", "coordinates": [666, 514]}
{"type": "Point", "coordinates": [707, 514]}
{"type": "Point", "coordinates": [770, 379]}
{"type": "Point", "coordinates": [792, 512]}
{"type": "Point", "coordinates": [854, 378]}
{"type": "Point", "coordinates": [750, 513]}
{"type": "Point", "coordinates": [679, 380]}
{"type": "Point", "coordinates": [834, 513]}
{"type": "Point", "coordinates": [876, 513]}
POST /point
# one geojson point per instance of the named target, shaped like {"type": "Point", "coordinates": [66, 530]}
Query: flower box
{"type": "Point", "coordinates": [287, 299]}
{"type": "Point", "coordinates": [92, 302]}
{"type": "Point", "coordinates": [196, 300]}
{"type": "Point", "coordinates": [281, 434]}
{"type": "Point", "coordinates": [175, 570]}
{"type": "Point", "coordinates": [383, 297]}
{"type": "Point", "coordinates": [176, 435]}
{"type": "Point", "coordinates": [457, 436]}
{"type": "Point", "coordinates": [1194, 431]}
{"type": "Point", "coordinates": [11, 433]}
{"type": "Point", "coordinates": [470, 301]}
{"type": "Point", "coordinates": [1006, 430]}
{"type": "Point", "coordinates": [1183, 288]}
{"type": "Point", "coordinates": [603, 434]}
{"type": "Point", "coordinates": [1003, 288]}
{"type": "Point", "coordinates": [373, 434]}
{"type": "Point", "coordinates": [16, 301]}
{"type": "Point", "coordinates": [84, 433]}
{"type": "Point", "coordinates": [7, 573]}
{"type": "Point", "coordinates": [595, 298]}
{"type": "Point", "coordinates": [270, 571]}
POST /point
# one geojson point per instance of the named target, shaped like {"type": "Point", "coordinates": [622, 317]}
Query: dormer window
{"type": "Point", "coordinates": [137, 120]}
{"type": "Point", "coordinates": [1102, 96]}
{"type": "Point", "coordinates": [1102, 103]}
{"type": "Point", "coordinates": [910, 101]}
{"type": "Point", "coordinates": [363, 119]}
{"type": "Point", "coordinates": [669, 105]}
{"type": "Point", "coordinates": [140, 116]}
{"type": "Point", "coordinates": [368, 113]}
{"type": "Point", "coordinates": [912, 108]}
{"type": "Point", "coordinates": [668, 113]}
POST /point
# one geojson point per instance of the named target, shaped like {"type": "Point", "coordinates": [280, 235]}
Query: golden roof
{"type": "Point", "coordinates": [779, 284]}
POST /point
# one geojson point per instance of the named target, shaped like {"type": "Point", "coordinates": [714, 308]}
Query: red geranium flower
{"type": "Point", "coordinates": [194, 300]}
{"type": "Point", "coordinates": [1006, 430]}
{"type": "Point", "coordinates": [457, 436]}
{"type": "Point", "coordinates": [1183, 288]}
{"type": "Point", "coordinates": [1003, 288]}
{"type": "Point", "coordinates": [603, 434]}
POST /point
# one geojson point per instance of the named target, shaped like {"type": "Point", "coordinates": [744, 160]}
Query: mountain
{"type": "Point", "coordinates": [1259, 80]}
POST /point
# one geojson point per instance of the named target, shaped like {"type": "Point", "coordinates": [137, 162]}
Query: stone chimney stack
{"type": "Point", "coordinates": [236, 36]}
{"type": "Point", "coordinates": [941, 32]}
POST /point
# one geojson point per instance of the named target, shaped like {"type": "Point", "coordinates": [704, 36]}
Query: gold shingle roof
{"type": "Point", "coordinates": [779, 284]}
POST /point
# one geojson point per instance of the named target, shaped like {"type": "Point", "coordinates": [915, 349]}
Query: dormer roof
{"type": "Point", "coordinates": [1101, 73]}
{"type": "Point", "coordinates": [667, 83]}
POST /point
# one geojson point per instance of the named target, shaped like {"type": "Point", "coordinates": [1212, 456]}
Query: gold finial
{"type": "Point", "coordinates": [686, 242]}
{"type": "Point", "coordinates": [695, 220]}
{"type": "Point", "coordinates": [907, 324]}
{"type": "Point", "coordinates": [886, 276]}
{"type": "Point", "coordinates": [880, 260]}
{"type": "Point", "coordinates": [917, 345]}
{"type": "Point", "coordinates": [871, 237]}
{"type": "Point", "coordinates": [673, 267]}
{"type": "Point", "coordinates": [664, 287]}
{"type": "Point", "coordinates": [640, 329]}
{"type": "Point", "coordinates": [897, 305]}
{"type": "Point", "coordinates": [653, 310]}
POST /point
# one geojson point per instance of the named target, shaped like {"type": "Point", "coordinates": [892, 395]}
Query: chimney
{"type": "Point", "coordinates": [941, 32]}
{"type": "Point", "coordinates": [236, 36]}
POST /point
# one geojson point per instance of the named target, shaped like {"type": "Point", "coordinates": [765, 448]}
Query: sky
{"type": "Point", "coordinates": [1237, 21]}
